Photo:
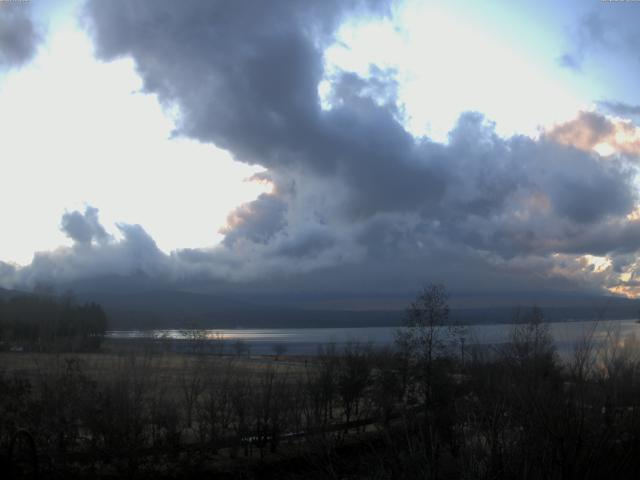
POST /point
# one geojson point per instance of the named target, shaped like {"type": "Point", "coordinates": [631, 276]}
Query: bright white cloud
{"type": "Point", "coordinates": [76, 132]}
{"type": "Point", "coordinates": [448, 64]}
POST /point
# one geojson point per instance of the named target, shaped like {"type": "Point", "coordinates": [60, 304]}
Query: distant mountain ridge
{"type": "Point", "coordinates": [162, 308]}
{"type": "Point", "coordinates": [176, 309]}
{"type": "Point", "coordinates": [5, 294]}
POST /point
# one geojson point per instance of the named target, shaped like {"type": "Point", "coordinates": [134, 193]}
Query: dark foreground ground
{"type": "Point", "coordinates": [421, 409]}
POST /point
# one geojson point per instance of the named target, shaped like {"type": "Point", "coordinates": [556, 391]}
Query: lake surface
{"type": "Point", "coordinates": [305, 341]}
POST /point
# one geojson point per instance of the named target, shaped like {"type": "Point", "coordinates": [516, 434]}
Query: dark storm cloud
{"type": "Point", "coordinates": [615, 238]}
{"type": "Point", "coordinates": [381, 86]}
{"type": "Point", "coordinates": [306, 244]}
{"type": "Point", "coordinates": [257, 221]}
{"type": "Point", "coordinates": [493, 173]}
{"type": "Point", "coordinates": [583, 189]}
{"type": "Point", "coordinates": [245, 74]}
{"type": "Point", "coordinates": [246, 78]}
{"type": "Point", "coordinates": [19, 36]}
{"type": "Point", "coordinates": [359, 204]}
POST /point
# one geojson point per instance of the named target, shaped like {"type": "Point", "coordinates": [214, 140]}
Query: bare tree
{"type": "Point", "coordinates": [531, 347]}
{"type": "Point", "coordinates": [354, 376]}
{"type": "Point", "coordinates": [191, 383]}
{"type": "Point", "coordinates": [195, 337]}
{"type": "Point", "coordinates": [427, 338]}
{"type": "Point", "coordinates": [215, 410]}
{"type": "Point", "coordinates": [427, 332]}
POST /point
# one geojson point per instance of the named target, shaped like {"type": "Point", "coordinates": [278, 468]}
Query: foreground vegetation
{"type": "Point", "coordinates": [426, 408]}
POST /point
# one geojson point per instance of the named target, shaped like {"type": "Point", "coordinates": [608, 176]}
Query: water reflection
{"type": "Point", "coordinates": [305, 340]}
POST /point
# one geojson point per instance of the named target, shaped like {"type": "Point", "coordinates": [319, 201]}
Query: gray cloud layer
{"type": "Point", "coordinates": [19, 36]}
{"type": "Point", "coordinates": [359, 204]}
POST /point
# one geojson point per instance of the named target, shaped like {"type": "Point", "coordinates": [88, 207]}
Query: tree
{"type": "Point", "coordinates": [46, 322]}
{"type": "Point", "coordinates": [423, 336]}
{"type": "Point", "coordinates": [195, 336]}
{"type": "Point", "coordinates": [192, 386]}
{"type": "Point", "coordinates": [531, 347]}
{"type": "Point", "coordinates": [354, 375]}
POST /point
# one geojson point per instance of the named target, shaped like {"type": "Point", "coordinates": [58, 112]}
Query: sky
{"type": "Point", "coordinates": [353, 148]}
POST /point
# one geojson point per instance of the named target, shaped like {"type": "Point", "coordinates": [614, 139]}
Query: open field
{"type": "Point", "coordinates": [169, 365]}
{"type": "Point", "coordinates": [184, 405]}
{"type": "Point", "coordinates": [417, 410]}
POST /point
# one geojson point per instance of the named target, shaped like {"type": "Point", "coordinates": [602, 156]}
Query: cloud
{"type": "Point", "coordinates": [306, 244]}
{"type": "Point", "coordinates": [604, 29]}
{"type": "Point", "coordinates": [94, 253]}
{"type": "Point", "coordinates": [84, 228]}
{"type": "Point", "coordinates": [7, 275]}
{"type": "Point", "coordinates": [262, 63]}
{"type": "Point", "coordinates": [19, 35]}
{"type": "Point", "coordinates": [585, 132]}
{"type": "Point", "coordinates": [358, 203]}
{"type": "Point", "coordinates": [571, 61]}
{"type": "Point", "coordinates": [261, 102]}
{"type": "Point", "coordinates": [257, 221]}
{"type": "Point", "coordinates": [620, 108]}
{"type": "Point", "coordinates": [595, 131]}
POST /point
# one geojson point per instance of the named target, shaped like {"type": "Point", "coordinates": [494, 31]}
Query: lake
{"type": "Point", "coordinates": [305, 341]}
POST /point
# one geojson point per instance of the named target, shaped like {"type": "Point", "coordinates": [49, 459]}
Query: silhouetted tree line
{"type": "Point", "coordinates": [45, 322]}
{"type": "Point", "coordinates": [425, 408]}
